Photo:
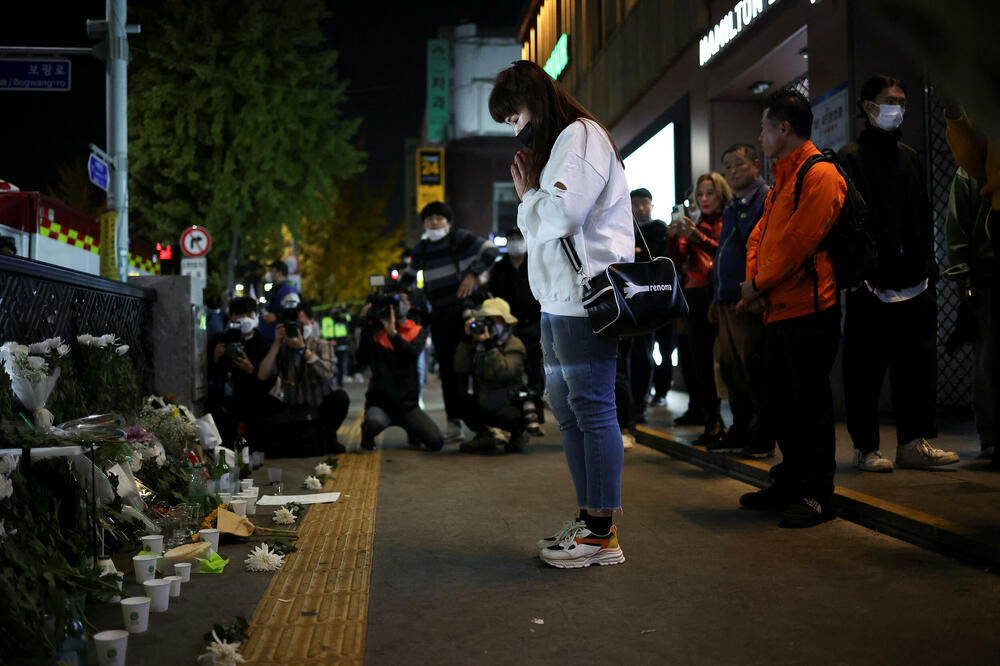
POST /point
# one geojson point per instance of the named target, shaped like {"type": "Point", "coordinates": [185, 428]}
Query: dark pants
{"type": "Point", "coordinates": [418, 426]}
{"type": "Point", "coordinates": [700, 334]}
{"type": "Point", "coordinates": [641, 370]}
{"type": "Point", "coordinates": [898, 337]}
{"type": "Point", "coordinates": [742, 366]}
{"type": "Point", "coordinates": [343, 350]}
{"type": "Point", "coordinates": [663, 374]}
{"type": "Point", "coordinates": [624, 404]}
{"type": "Point", "coordinates": [508, 417]}
{"type": "Point", "coordinates": [446, 331]}
{"type": "Point", "coordinates": [800, 355]}
{"type": "Point", "coordinates": [301, 430]}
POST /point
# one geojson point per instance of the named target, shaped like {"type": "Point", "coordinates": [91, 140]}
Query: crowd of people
{"type": "Point", "coordinates": [765, 271]}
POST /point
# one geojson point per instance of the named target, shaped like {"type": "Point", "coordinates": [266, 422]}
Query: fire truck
{"type": "Point", "coordinates": [48, 230]}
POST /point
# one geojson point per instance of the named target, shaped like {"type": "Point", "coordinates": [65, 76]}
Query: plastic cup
{"type": "Point", "coordinates": [183, 569]}
{"type": "Point", "coordinates": [212, 536]}
{"type": "Point", "coordinates": [145, 567]}
{"type": "Point", "coordinates": [246, 484]}
{"type": "Point", "coordinates": [158, 591]}
{"type": "Point", "coordinates": [274, 474]}
{"type": "Point", "coordinates": [255, 491]}
{"type": "Point", "coordinates": [110, 647]}
{"type": "Point", "coordinates": [225, 498]}
{"type": "Point", "coordinates": [251, 501]}
{"type": "Point", "coordinates": [175, 585]}
{"type": "Point", "coordinates": [153, 543]}
{"type": "Point", "coordinates": [135, 614]}
{"type": "Point", "coordinates": [239, 506]}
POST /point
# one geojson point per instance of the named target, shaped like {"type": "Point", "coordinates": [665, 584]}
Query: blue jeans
{"type": "Point", "coordinates": [580, 389]}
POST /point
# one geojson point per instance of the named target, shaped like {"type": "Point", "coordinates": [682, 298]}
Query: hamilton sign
{"type": "Point", "coordinates": [735, 21]}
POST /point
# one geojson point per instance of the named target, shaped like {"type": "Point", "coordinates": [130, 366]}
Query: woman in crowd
{"type": "Point", "coordinates": [571, 183]}
{"type": "Point", "coordinates": [694, 245]}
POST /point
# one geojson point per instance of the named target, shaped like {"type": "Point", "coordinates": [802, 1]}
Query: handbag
{"type": "Point", "coordinates": [630, 298]}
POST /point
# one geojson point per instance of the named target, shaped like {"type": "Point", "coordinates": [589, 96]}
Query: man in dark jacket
{"type": "Point", "coordinates": [892, 317]}
{"type": "Point", "coordinates": [741, 333]}
{"type": "Point", "coordinates": [392, 350]}
{"type": "Point", "coordinates": [450, 259]}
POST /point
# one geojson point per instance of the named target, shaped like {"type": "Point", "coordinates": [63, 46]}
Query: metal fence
{"type": "Point", "coordinates": [954, 371]}
{"type": "Point", "coordinates": [39, 301]}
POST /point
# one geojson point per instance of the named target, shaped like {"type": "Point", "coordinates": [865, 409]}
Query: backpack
{"type": "Point", "coordinates": [851, 241]}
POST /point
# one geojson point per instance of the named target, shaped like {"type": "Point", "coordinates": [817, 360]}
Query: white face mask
{"type": "Point", "coordinates": [248, 324]}
{"type": "Point", "coordinates": [308, 331]}
{"type": "Point", "coordinates": [517, 247]}
{"type": "Point", "coordinates": [436, 234]}
{"type": "Point", "coordinates": [890, 116]}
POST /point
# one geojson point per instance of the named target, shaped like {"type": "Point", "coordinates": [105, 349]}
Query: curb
{"type": "Point", "coordinates": [916, 527]}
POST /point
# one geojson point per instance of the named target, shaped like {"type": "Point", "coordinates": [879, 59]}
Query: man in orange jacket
{"type": "Point", "coordinates": [794, 283]}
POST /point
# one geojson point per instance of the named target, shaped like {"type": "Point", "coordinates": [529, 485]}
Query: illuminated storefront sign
{"type": "Point", "coordinates": [732, 24]}
{"type": "Point", "coordinates": [559, 57]}
{"type": "Point", "coordinates": [430, 176]}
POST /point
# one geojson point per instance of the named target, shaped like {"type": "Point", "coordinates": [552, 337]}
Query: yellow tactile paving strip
{"type": "Point", "coordinates": [316, 607]}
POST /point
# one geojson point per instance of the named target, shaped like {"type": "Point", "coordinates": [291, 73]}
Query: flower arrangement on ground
{"type": "Point", "coordinates": [32, 378]}
{"type": "Point", "coordinates": [173, 425]}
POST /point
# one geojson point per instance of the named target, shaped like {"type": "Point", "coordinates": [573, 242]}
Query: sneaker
{"type": "Point", "coordinates": [516, 442]}
{"type": "Point", "coordinates": [568, 528]}
{"type": "Point", "coordinates": [871, 461]}
{"type": "Point", "coordinates": [453, 433]}
{"type": "Point", "coordinates": [642, 417]}
{"type": "Point", "coordinates": [657, 401]}
{"type": "Point", "coordinates": [628, 441]}
{"type": "Point", "coordinates": [481, 443]}
{"type": "Point", "coordinates": [919, 453]}
{"type": "Point", "coordinates": [581, 548]}
{"type": "Point", "coordinates": [766, 499]}
{"type": "Point", "coordinates": [805, 512]}
{"type": "Point", "coordinates": [714, 433]}
{"type": "Point", "coordinates": [732, 442]}
{"type": "Point", "coordinates": [756, 452]}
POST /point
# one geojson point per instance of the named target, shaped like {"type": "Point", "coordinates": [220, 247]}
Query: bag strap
{"type": "Point", "coordinates": [566, 243]}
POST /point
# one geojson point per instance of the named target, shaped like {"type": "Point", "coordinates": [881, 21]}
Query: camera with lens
{"type": "Point", "coordinates": [382, 303]}
{"type": "Point", "coordinates": [481, 325]}
{"type": "Point", "coordinates": [290, 318]}
{"type": "Point", "coordinates": [232, 337]}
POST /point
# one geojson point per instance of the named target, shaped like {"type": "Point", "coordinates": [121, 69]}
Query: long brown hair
{"type": "Point", "coordinates": [526, 85]}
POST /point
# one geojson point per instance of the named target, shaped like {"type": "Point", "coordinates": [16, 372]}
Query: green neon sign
{"type": "Point", "coordinates": [559, 57]}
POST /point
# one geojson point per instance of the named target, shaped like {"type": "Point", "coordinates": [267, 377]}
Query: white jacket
{"type": "Point", "coordinates": [593, 207]}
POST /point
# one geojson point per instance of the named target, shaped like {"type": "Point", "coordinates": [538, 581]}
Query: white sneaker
{"type": "Point", "coordinates": [628, 441]}
{"type": "Point", "coordinates": [871, 461]}
{"type": "Point", "coordinates": [568, 528]}
{"type": "Point", "coordinates": [920, 453]}
{"type": "Point", "coordinates": [453, 433]}
{"type": "Point", "coordinates": [581, 548]}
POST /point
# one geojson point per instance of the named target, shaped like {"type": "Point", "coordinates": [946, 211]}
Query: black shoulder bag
{"type": "Point", "coordinates": [629, 299]}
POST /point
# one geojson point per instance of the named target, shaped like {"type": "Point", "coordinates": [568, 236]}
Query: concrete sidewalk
{"type": "Point", "coordinates": [953, 509]}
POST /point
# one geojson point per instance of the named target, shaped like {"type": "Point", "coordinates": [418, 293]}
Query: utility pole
{"type": "Point", "coordinates": [115, 31]}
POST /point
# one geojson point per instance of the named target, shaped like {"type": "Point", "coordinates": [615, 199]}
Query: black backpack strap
{"type": "Point", "coordinates": [800, 176]}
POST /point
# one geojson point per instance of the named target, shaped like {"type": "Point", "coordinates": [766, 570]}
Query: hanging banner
{"type": "Point", "coordinates": [430, 176]}
{"type": "Point", "coordinates": [109, 262]}
{"type": "Point", "coordinates": [831, 119]}
{"type": "Point", "coordinates": [438, 68]}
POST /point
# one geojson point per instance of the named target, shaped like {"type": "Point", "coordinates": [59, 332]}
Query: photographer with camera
{"type": "Point", "coordinates": [304, 361]}
{"type": "Point", "coordinates": [282, 295]}
{"type": "Point", "coordinates": [495, 358]}
{"type": "Point", "coordinates": [391, 343]}
{"type": "Point", "coordinates": [234, 392]}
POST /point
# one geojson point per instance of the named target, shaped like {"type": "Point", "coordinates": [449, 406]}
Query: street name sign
{"type": "Point", "coordinates": [41, 74]}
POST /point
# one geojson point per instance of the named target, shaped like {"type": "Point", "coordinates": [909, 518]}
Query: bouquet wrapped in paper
{"type": "Point", "coordinates": [228, 522]}
{"type": "Point", "coordinates": [32, 379]}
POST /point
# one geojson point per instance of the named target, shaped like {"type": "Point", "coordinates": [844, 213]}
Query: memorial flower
{"type": "Point", "coordinates": [312, 483]}
{"type": "Point", "coordinates": [221, 653]}
{"type": "Point", "coordinates": [284, 517]}
{"type": "Point", "coordinates": [322, 469]}
{"type": "Point", "coordinates": [262, 558]}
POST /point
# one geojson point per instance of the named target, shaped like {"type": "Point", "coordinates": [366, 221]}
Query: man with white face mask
{"type": "Point", "coordinates": [891, 321]}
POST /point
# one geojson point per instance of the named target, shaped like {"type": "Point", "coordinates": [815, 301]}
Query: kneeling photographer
{"type": "Point", "coordinates": [495, 359]}
{"type": "Point", "coordinates": [391, 344]}
{"type": "Point", "coordinates": [304, 362]}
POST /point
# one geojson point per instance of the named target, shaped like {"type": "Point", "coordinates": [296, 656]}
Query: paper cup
{"type": "Point", "coordinates": [110, 647]}
{"type": "Point", "coordinates": [212, 536]}
{"type": "Point", "coordinates": [153, 543]}
{"type": "Point", "coordinates": [158, 590]}
{"type": "Point", "coordinates": [135, 614]}
{"type": "Point", "coordinates": [145, 567]}
{"type": "Point", "coordinates": [225, 497]}
{"type": "Point", "coordinates": [255, 491]}
{"type": "Point", "coordinates": [183, 569]}
{"type": "Point", "coordinates": [175, 585]}
{"type": "Point", "coordinates": [273, 474]}
{"type": "Point", "coordinates": [251, 500]}
{"type": "Point", "coordinates": [246, 484]}
{"type": "Point", "coordinates": [239, 507]}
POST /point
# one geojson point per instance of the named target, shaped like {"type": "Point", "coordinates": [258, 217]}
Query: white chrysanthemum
{"type": "Point", "coordinates": [222, 653]}
{"type": "Point", "coordinates": [323, 469]}
{"type": "Point", "coordinates": [39, 347]}
{"type": "Point", "coordinates": [86, 339]}
{"type": "Point", "coordinates": [106, 339]}
{"type": "Point", "coordinates": [136, 462]}
{"type": "Point", "coordinates": [122, 350]}
{"type": "Point", "coordinates": [7, 464]}
{"type": "Point", "coordinates": [284, 517]}
{"type": "Point", "coordinates": [37, 363]}
{"type": "Point", "coordinates": [263, 558]}
{"type": "Point", "coordinates": [6, 487]}
{"type": "Point", "coordinates": [312, 483]}
{"type": "Point", "coordinates": [62, 349]}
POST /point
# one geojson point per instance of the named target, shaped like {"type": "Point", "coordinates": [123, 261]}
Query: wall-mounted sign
{"type": "Point", "coordinates": [438, 68]}
{"type": "Point", "coordinates": [430, 176]}
{"type": "Point", "coordinates": [735, 21]}
{"type": "Point", "coordinates": [559, 57]}
{"type": "Point", "coordinates": [831, 119]}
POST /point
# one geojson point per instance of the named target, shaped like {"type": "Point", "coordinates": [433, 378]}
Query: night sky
{"type": "Point", "coordinates": [382, 55]}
